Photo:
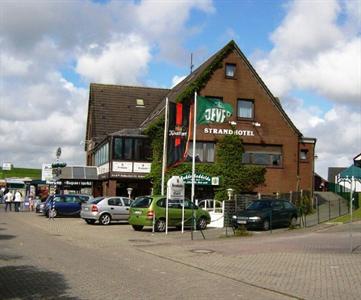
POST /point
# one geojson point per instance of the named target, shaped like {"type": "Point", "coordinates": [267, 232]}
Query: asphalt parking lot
{"type": "Point", "coordinates": [69, 259]}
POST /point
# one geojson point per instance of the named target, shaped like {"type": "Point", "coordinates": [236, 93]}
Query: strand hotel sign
{"type": "Point", "coordinates": [223, 131]}
{"type": "Point", "coordinates": [200, 179]}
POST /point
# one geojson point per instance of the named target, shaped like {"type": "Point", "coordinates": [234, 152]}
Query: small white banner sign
{"type": "Point", "coordinates": [175, 188]}
{"type": "Point", "coordinates": [215, 180]}
{"type": "Point", "coordinates": [46, 172]}
{"type": "Point", "coordinates": [122, 166]}
{"type": "Point", "coordinates": [7, 166]}
{"type": "Point", "coordinates": [141, 167]}
{"type": "Point", "coordinates": [103, 169]}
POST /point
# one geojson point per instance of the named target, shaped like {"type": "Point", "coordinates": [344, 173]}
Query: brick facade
{"type": "Point", "coordinates": [274, 128]}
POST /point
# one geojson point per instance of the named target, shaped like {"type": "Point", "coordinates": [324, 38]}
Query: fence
{"type": "Point", "coordinates": [325, 210]}
{"type": "Point", "coordinates": [313, 211]}
{"type": "Point", "coordinates": [344, 192]}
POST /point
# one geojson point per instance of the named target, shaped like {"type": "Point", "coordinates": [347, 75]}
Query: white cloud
{"type": "Point", "coordinates": [39, 118]}
{"type": "Point", "coordinates": [308, 28]}
{"type": "Point", "coordinates": [121, 62]}
{"type": "Point", "coordinates": [164, 22]}
{"type": "Point", "coordinates": [317, 48]}
{"type": "Point", "coordinates": [338, 133]}
{"type": "Point", "coordinates": [11, 66]}
{"type": "Point", "coordinates": [111, 42]}
{"type": "Point", "coordinates": [313, 52]}
{"type": "Point", "coordinates": [177, 79]}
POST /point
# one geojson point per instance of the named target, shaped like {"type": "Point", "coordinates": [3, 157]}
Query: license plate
{"type": "Point", "coordinates": [86, 208]}
{"type": "Point", "coordinates": [242, 222]}
{"type": "Point", "coordinates": [137, 212]}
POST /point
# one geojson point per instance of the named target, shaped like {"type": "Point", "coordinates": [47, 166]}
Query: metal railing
{"type": "Point", "coordinates": [319, 209]}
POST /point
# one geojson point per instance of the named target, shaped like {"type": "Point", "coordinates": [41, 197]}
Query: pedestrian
{"type": "Point", "coordinates": [2, 194]}
{"type": "Point", "coordinates": [18, 199]}
{"type": "Point", "coordinates": [51, 212]}
{"type": "Point", "coordinates": [31, 202]}
{"type": "Point", "coordinates": [8, 200]}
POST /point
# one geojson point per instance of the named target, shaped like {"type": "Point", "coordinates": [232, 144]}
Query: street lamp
{"type": "Point", "coordinates": [58, 165]}
{"type": "Point", "coordinates": [129, 190]}
{"type": "Point", "coordinates": [230, 192]}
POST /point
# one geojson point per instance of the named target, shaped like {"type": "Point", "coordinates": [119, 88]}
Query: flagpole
{"type": "Point", "coordinates": [165, 138]}
{"type": "Point", "coordinates": [194, 154]}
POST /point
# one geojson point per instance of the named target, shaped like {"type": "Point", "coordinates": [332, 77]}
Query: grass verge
{"type": "Point", "coordinates": [356, 216]}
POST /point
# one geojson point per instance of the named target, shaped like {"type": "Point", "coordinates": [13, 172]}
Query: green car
{"type": "Point", "coordinates": [145, 211]}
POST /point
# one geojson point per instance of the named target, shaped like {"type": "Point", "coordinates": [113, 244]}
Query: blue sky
{"type": "Point", "coordinates": [307, 52]}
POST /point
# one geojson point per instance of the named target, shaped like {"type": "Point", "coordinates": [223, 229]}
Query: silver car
{"type": "Point", "coordinates": [105, 210]}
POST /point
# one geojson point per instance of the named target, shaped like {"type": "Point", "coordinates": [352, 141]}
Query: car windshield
{"type": "Point", "coordinates": [257, 205]}
{"type": "Point", "coordinates": [95, 200]}
{"type": "Point", "coordinates": [142, 202]}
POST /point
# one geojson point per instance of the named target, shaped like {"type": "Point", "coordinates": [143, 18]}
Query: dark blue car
{"type": "Point", "coordinates": [266, 214]}
{"type": "Point", "coordinates": [66, 205]}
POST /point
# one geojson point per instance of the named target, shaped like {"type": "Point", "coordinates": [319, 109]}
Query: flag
{"type": "Point", "coordinates": [178, 132]}
{"type": "Point", "coordinates": [210, 110]}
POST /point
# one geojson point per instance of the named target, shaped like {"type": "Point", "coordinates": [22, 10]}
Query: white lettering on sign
{"type": "Point", "coordinates": [217, 115]}
{"type": "Point", "coordinates": [177, 133]}
{"type": "Point", "coordinates": [223, 131]}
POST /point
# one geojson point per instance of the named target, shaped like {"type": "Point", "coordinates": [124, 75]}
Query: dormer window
{"type": "Point", "coordinates": [230, 70]}
{"type": "Point", "coordinates": [140, 103]}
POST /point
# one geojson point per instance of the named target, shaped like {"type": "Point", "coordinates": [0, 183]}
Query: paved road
{"type": "Point", "coordinates": [68, 259]}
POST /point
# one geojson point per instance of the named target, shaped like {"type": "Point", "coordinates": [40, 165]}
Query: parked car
{"type": "Point", "coordinates": [148, 208]}
{"type": "Point", "coordinates": [266, 213]}
{"type": "Point", "coordinates": [105, 210]}
{"type": "Point", "coordinates": [66, 205]}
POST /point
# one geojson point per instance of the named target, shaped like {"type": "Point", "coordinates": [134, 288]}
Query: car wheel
{"type": "Point", "coordinates": [159, 225]}
{"type": "Point", "coordinates": [293, 221]}
{"type": "Point", "coordinates": [202, 224]}
{"type": "Point", "coordinates": [90, 221]}
{"type": "Point", "coordinates": [266, 225]}
{"type": "Point", "coordinates": [105, 219]}
{"type": "Point", "coordinates": [137, 227]}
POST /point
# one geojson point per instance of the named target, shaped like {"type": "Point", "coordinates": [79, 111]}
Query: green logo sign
{"type": "Point", "coordinates": [199, 178]}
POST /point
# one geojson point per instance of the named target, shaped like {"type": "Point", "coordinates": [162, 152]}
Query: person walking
{"type": "Point", "coordinates": [51, 212]}
{"type": "Point", "coordinates": [2, 194]}
{"type": "Point", "coordinates": [31, 202]}
{"type": "Point", "coordinates": [17, 201]}
{"type": "Point", "coordinates": [8, 200]}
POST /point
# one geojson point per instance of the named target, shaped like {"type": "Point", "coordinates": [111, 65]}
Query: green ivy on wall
{"type": "Point", "coordinates": [241, 178]}
{"type": "Point", "coordinates": [155, 131]}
